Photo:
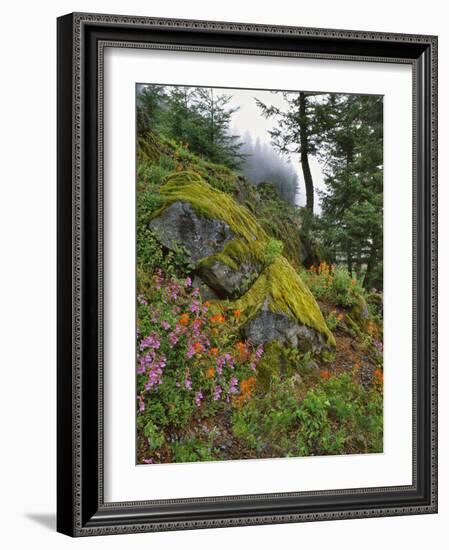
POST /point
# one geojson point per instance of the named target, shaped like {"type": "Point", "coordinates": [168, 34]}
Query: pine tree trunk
{"type": "Point", "coordinates": [358, 263]}
{"type": "Point", "coordinates": [349, 259]}
{"type": "Point", "coordinates": [304, 144]}
{"type": "Point", "coordinates": [367, 281]}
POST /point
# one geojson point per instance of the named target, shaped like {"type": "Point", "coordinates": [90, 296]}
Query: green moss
{"type": "Point", "coordinates": [272, 361]}
{"type": "Point", "coordinates": [148, 150]}
{"type": "Point", "coordinates": [209, 202]}
{"type": "Point", "coordinates": [281, 289]}
{"type": "Point", "coordinates": [359, 310]}
{"type": "Point", "coordinates": [233, 255]}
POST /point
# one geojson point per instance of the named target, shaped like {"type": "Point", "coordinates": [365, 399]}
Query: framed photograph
{"type": "Point", "coordinates": [247, 279]}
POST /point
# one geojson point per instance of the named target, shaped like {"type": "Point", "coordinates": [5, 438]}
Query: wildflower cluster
{"type": "Point", "coordinates": [186, 344]}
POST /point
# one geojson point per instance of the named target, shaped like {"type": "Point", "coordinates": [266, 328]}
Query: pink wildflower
{"type": "Point", "coordinates": [165, 325]}
{"type": "Point", "coordinates": [141, 403]}
{"type": "Point", "coordinates": [233, 385]}
{"type": "Point", "coordinates": [217, 393]}
{"type": "Point", "coordinates": [198, 398]}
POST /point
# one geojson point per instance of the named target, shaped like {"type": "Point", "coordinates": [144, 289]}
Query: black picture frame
{"type": "Point", "coordinates": [81, 510]}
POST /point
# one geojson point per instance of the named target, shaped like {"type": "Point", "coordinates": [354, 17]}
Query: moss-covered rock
{"type": "Point", "coordinates": [228, 265]}
{"type": "Point", "coordinates": [226, 280]}
{"type": "Point", "coordinates": [279, 290]}
{"type": "Point", "coordinates": [360, 312]}
{"type": "Point", "coordinates": [274, 302]}
{"type": "Point", "coordinates": [180, 224]}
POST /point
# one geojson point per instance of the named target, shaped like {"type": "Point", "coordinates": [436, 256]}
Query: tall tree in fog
{"type": "Point", "coordinates": [296, 131]}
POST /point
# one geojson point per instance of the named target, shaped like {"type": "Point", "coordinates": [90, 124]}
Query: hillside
{"type": "Point", "coordinates": [243, 351]}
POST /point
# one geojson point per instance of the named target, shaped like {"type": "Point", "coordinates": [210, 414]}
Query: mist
{"type": "Point", "coordinates": [262, 163]}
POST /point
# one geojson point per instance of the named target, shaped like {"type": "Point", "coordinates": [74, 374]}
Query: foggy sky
{"type": "Point", "coordinates": [248, 118]}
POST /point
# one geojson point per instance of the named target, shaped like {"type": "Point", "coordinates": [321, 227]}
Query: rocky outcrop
{"type": "Point", "coordinates": [227, 280]}
{"type": "Point", "coordinates": [235, 259]}
{"type": "Point", "coordinates": [179, 225]}
{"type": "Point", "coordinates": [280, 307]}
{"type": "Point", "coordinates": [268, 326]}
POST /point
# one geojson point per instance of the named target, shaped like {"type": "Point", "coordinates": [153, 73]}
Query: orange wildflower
{"type": "Point", "coordinates": [238, 401]}
{"type": "Point", "coordinates": [325, 374]}
{"type": "Point", "coordinates": [210, 372]}
{"type": "Point", "coordinates": [207, 303]}
{"type": "Point", "coordinates": [218, 318]}
{"type": "Point", "coordinates": [324, 268]}
{"type": "Point", "coordinates": [197, 346]}
{"type": "Point", "coordinates": [237, 313]}
{"type": "Point", "coordinates": [371, 328]}
{"type": "Point", "coordinates": [214, 351]}
{"type": "Point", "coordinates": [241, 347]}
{"type": "Point", "coordinates": [247, 386]}
{"type": "Point", "coordinates": [184, 319]}
{"type": "Point", "coordinates": [379, 375]}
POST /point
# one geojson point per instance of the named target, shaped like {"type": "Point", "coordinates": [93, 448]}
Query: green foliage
{"type": "Point", "coordinates": [344, 289]}
{"type": "Point", "coordinates": [273, 249]}
{"type": "Point", "coordinates": [332, 321]}
{"type": "Point", "coordinates": [334, 284]}
{"type": "Point", "coordinates": [337, 416]}
{"type": "Point", "coordinates": [154, 436]}
{"type": "Point", "coordinates": [352, 148]}
{"type": "Point", "coordinates": [298, 130]}
{"type": "Point", "coordinates": [197, 117]}
{"type": "Point", "coordinates": [191, 450]}
{"type": "Point", "coordinates": [149, 107]}
{"type": "Point", "coordinates": [150, 255]}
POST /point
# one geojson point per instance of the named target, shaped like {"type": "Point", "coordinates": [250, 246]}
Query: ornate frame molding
{"type": "Point", "coordinates": [83, 513]}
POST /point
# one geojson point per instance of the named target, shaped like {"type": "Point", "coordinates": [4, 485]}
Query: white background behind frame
{"type": "Point", "coordinates": [123, 480]}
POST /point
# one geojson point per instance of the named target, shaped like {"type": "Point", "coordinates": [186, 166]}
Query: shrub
{"type": "Point", "coordinates": [332, 320]}
{"type": "Point", "coordinates": [333, 283]}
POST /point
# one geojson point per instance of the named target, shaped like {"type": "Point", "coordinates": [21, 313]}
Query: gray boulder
{"type": "Point", "coordinates": [226, 281]}
{"type": "Point", "coordinates": [207, 293]}
{"type": "Point", "coordinates": [180, 225]}
{"type": "Point", "coordinates": [267, 326]}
